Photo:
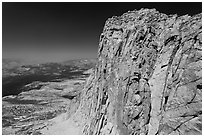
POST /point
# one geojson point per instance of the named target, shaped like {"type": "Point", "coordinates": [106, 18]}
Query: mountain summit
{"type": "Point", "coordinates": [148, 78]}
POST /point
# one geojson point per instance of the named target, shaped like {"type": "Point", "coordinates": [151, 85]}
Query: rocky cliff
{"type": "Point", "coordinates": [148, 79]}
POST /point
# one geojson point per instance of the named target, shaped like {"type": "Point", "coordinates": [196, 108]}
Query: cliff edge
{"type": "Point", "coordinates": [148, 79]}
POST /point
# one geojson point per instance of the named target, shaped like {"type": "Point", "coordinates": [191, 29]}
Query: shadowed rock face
{"type": "Point", "coordinates": [148, 79]}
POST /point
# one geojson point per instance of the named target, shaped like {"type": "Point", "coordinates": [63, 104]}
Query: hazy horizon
{"type": "Point", "coordinates": [55, 32]}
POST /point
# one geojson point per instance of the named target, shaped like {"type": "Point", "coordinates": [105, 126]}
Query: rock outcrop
{"type": "Point", "coordinates": [148, 79]}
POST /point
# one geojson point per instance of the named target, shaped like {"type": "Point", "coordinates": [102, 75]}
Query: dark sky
{"type": "Point", "coordinates": [61, 31]}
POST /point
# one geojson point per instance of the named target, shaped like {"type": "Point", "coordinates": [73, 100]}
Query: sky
{"type": "Point", "coordinates": [55, 32]}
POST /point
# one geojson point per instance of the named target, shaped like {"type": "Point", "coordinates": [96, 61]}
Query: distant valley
{"type": "Point", "coordinates": [34, 94]}
{"type": "Point", "coordinates": [16, 74]}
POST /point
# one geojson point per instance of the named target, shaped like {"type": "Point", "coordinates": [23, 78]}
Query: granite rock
{"type": "Point", "coordinates": [148, 79]}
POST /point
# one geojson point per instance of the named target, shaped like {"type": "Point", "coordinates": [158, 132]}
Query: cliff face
{"type": "Point", "coordinates": [148, 79]}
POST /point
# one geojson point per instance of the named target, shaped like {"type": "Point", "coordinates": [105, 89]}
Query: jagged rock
{"type": "Point", "coordinates": [148, 76]}
{"type": "Point", "coordinates": [136, 99]}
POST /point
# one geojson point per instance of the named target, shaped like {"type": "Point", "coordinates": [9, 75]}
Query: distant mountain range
{"type": "Point", "coordinates": [17, 74]}
{"type": "Point", "coordinates": [10, 63]}
{"type": "Point", "coordinates": [14, 67]}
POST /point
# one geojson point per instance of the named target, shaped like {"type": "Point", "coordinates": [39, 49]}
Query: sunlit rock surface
{"type": "Point", "coordinates": [148, 78]}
